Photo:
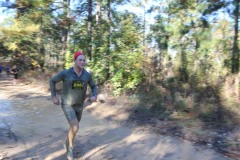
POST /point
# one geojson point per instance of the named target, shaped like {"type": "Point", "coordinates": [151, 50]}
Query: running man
{"type": "Point", "coordinates": [75, 81]}
{"type": "Point", "coordinates": [1, 69]}
{"type": "Point", "coordinates": [14, 71]}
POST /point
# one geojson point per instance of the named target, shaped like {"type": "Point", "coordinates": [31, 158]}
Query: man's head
{"type": "Point", "coordinates": [77, 54]}
{"type": "Point", "coordinates": [79, 60]}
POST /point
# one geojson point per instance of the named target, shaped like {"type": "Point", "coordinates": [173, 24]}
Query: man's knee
{"type": "Point", "coordinates": [74, 125]}
{"type": "Point", "coordinates": [75, 128]}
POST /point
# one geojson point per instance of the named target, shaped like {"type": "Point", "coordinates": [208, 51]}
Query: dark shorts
{"type": "Point", "coordinates": [72, 112]}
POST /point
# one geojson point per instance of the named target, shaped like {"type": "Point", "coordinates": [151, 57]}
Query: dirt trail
{"type": "Point", "coordinates": [32, 128]}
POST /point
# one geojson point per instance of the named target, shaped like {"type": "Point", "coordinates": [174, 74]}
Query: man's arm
{"type": "Point", "coordinates": [55, 79]}
{"type": "Point", "coordinates": [93, 86]}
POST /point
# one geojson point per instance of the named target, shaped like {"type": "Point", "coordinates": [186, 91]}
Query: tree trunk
{"type": "Point", "coordinates": [90, 29]}
{"type": "Point", "coordinates": [108, 39]}
{"type": "Point", "coordinates": [98, 14]}
{"type": "Point", "coordinates": [183, 67]}
{"type": "Point", "coordinates": [144, 24]}
{"type": "Point", "coordinates": [42, 48]}
{"type": "Point", "coordinates": [98, 37]}
{"type": "Point", "coordinates": [65, 32]}
{"type": "Point", "coordinates": [235, 54]}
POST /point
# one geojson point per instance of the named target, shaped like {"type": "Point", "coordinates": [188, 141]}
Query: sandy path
{"type": "Point", "coordinates": [32, 128]}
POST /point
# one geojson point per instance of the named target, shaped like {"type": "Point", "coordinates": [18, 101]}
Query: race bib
{"type": "Point", "coordinates": [77, 84]}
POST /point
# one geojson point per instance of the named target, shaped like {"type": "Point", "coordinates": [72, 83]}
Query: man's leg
{"type": "Point", "coordinates": [74, 125]}
{"type": "Point", "coordinates": [73, 129]}
{"type": "Point", "coordinates": [70, 138]}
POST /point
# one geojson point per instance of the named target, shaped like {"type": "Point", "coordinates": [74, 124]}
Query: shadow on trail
{"type": "Point", "coordinates": [94, 142]}
{"type": "Point", "coordinates": [88, 144]}
{"type": "Point", "coordinates": [49, 147]}
{"type": "Point", "coordinates": [40, 129]}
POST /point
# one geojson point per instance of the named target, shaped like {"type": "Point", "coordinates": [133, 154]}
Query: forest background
{"type": "Point", "coordinates": [177, 62]}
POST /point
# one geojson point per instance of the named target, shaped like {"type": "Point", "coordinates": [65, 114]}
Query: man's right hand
{"type": "Point", "coordinates": [56, 101]}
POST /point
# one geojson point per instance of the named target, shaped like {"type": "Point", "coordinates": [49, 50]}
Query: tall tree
{"type": "Point", "coordinates": [27, 29]}
{"type": "Point", "coordinates": [90, 29]}
{"type": "Point", "coordinates": [65, 26]}
{"type": "Point", "coordinates": [98, 11]}
{"type": "Point", "coordinates": [108, 38]}
{"type": "Point", "coordinates": [235, 50]}
{"type": "Point", "coordinates": [215, 6]}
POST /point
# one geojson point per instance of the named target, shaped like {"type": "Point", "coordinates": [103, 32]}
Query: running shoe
{"type": "Point", "coordinates": [69, 151]}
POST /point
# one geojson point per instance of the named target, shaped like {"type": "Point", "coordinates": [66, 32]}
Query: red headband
{"type": "Point", "coordinates": [77, 54]}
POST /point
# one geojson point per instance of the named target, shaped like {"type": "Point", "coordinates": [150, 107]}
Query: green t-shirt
{"type": "Point", "coordinates": [74, 87]}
